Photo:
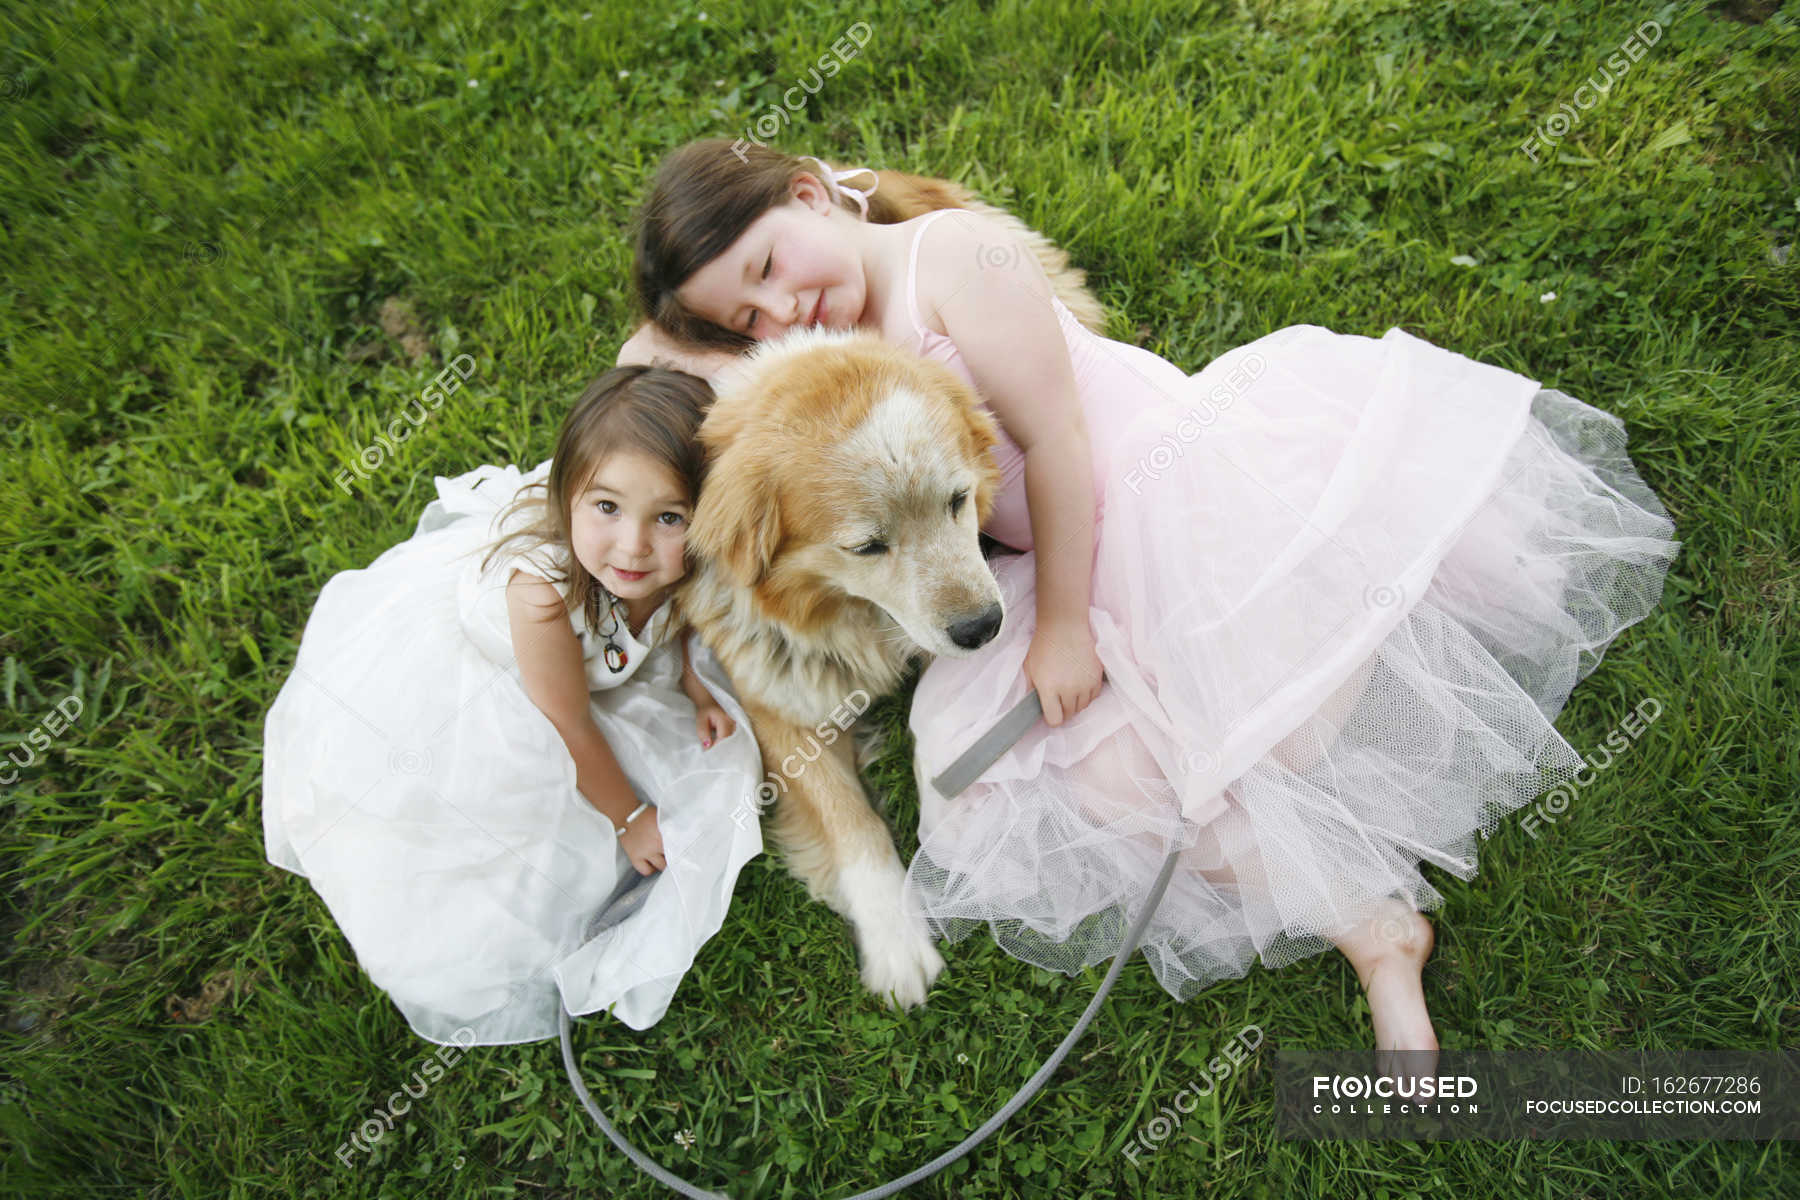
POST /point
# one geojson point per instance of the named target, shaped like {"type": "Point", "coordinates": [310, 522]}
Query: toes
{"type": "Point", "coordinates": [901, 969]}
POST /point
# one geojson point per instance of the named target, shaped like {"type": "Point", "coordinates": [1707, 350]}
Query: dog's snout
{"type": "Point", "coordinates": [977, 630]}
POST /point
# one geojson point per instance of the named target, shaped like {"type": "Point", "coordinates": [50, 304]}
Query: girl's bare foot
{"type": "Point", "coordinates": [1389, 952]}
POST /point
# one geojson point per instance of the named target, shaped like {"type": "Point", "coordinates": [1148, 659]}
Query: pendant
{"type": "Point", "coordinates": [615, 657]}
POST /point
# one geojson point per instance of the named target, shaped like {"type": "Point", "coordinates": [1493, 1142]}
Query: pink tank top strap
{"type": "Point", "coordinates": [912, 271]}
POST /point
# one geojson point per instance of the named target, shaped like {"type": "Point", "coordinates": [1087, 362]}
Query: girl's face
{"type": "Point", "coordinates": [629, 525]}
{"type": "Point", "coordinates": [793, 267]}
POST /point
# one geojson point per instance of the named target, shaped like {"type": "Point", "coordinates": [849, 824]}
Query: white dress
{"type": "Point", "coordinates": [433, 807]}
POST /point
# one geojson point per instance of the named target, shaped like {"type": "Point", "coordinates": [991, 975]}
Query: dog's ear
{"type": "Point", "coordinates": [737, 522]}
{"type": "Point", "coordinates": [979, 435]}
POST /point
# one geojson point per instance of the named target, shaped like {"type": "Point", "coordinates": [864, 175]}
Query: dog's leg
{"type": "Point", "coordinates": [836, 844]}
{"type": "Point", "coordinates": [870, 741]}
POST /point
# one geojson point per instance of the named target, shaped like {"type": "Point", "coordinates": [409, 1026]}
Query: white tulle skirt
{"type": "Point", "coordinates": [1342, 587]}
{"type": "Point", "coordinates": [434, 808]}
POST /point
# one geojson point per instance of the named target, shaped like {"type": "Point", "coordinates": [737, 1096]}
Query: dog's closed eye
{"type": "Point", "coordinates": [874, 546]}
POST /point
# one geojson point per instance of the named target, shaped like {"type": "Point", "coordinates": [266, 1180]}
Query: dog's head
{"type": "Point", "coordinates": [843, 467]}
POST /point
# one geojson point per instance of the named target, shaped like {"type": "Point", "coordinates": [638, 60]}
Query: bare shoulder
{"type": "Point", "coordinates": [966, 254]}
{"type": "Point", "coordinates": [533, 598]}
{"type": "Point", "coordinates": [963, 242]}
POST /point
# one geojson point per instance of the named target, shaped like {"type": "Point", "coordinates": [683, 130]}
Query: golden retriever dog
{"type": "Point", "coordinates": [836, 539]}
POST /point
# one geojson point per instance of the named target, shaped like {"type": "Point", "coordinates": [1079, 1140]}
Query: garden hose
{"type": "Point", "coordinates": [957, 776]}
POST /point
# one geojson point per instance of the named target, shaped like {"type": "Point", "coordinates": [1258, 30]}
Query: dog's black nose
{"type": "Point", "coordinates": [976, 631]}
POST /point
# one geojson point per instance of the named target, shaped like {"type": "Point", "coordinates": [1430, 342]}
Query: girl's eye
{"type": "Point", "coordinates": [678, 518]}
{"type": "Point", "coordinates": [606, 506]}
{"type": "Point", "coordinates": [767, 263]}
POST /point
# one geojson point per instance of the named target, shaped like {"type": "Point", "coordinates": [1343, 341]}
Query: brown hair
{"type": "Point", "coordinates": [651, 410]}
{"type": "Point", "coordinates": [702, 199]}
{"type": "Point", "coordinates": [706, 193]}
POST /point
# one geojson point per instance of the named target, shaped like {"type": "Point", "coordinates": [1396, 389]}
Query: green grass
{"type": "Point", "coordinates": [206, 208]}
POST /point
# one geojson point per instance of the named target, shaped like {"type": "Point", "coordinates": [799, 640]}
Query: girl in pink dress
{"type": "Point", "coordinates": [1339, 587]}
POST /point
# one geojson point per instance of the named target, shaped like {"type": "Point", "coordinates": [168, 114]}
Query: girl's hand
{"type": "Point", "coordinates": [1064, 668]}
{"type": "Point", "coordinates": [643, 843]}
{"type": "Point", "coordinates": [714, 723]}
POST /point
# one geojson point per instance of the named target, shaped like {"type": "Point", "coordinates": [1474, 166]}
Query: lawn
{"type": "Point", "coordinates": [239, 237]}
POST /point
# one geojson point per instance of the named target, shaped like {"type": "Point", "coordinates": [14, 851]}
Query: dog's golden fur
{"type": "Point", "coordinates": [837, 538]}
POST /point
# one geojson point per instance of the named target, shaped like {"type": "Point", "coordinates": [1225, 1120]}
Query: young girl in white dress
{"type": "Point", "coordinates": [500, 726]}
{"type": "Point", "coordinates": [1336, 587]}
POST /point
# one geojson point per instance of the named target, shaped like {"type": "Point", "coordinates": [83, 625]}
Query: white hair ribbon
{"type": "Point", "coordinates": [835, 181]}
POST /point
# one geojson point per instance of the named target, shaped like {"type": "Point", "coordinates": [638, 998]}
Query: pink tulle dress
{"type": "Point", "coordinates": [1341, 588]}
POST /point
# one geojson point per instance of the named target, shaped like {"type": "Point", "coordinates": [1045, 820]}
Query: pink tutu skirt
{"type": "Point", "coordinates": [1342, 587]}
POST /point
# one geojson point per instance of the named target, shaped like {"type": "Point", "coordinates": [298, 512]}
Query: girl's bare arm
{"type": "Point", "coordinates": [652, 347]}
{"type": "Point", "coordinates": [690, 679]}
{"type": "Point", "coordinates": [550, 664]}
{"type": "Point", "coordinates": [995, 306]}
{"type": "Point", "coordinates": [995, 303]}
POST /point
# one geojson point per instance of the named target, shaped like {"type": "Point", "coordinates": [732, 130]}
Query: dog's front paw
{"type": "Point", "coordinates": [900, 965]}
